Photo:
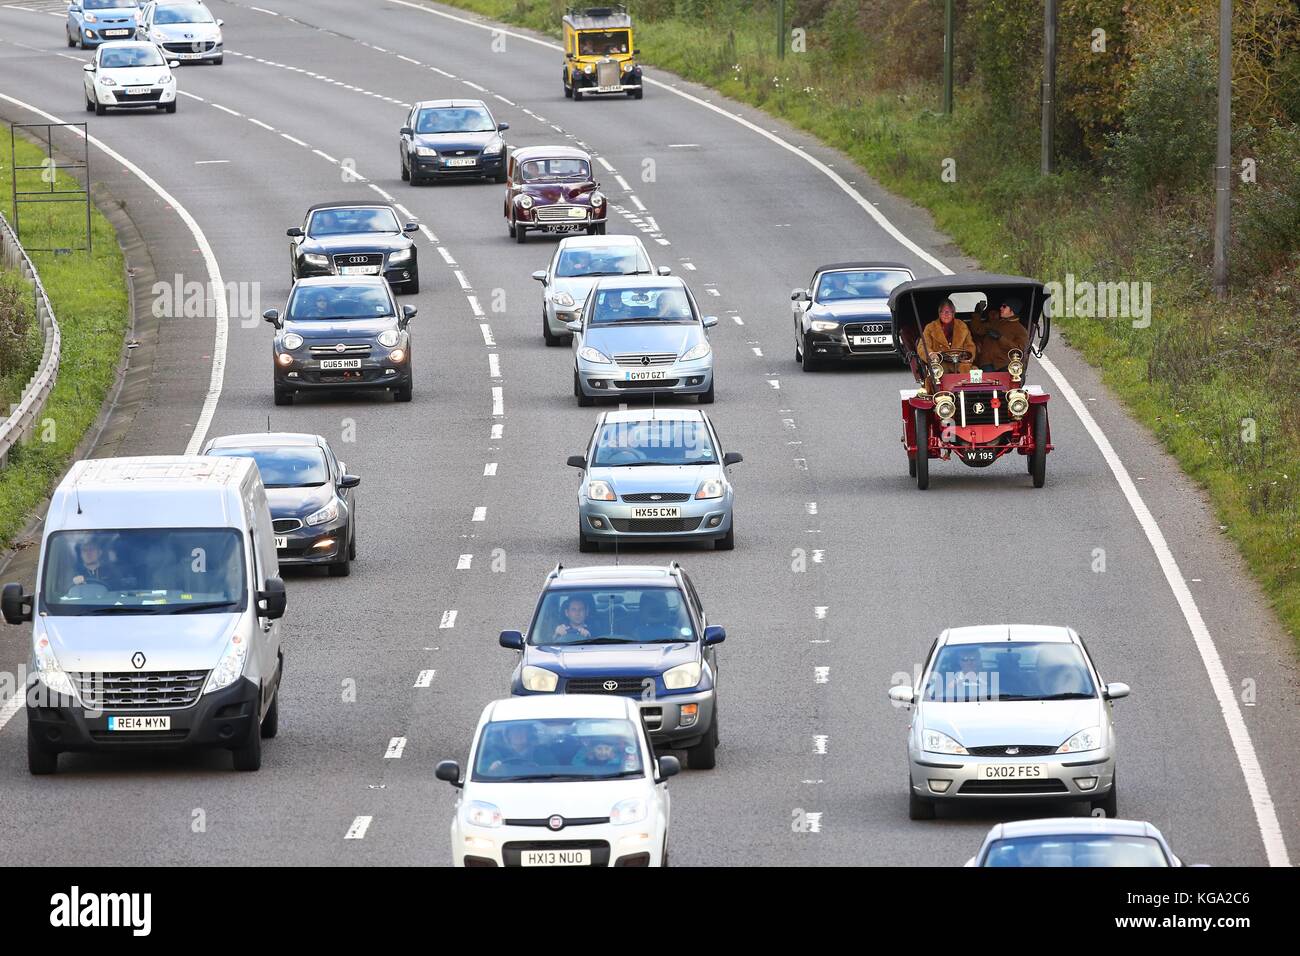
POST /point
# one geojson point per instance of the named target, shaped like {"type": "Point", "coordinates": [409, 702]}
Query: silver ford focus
{"type": "Point", "coordinates": [654, 476]}
{"type": "Point", "coordinates": [1010, 712]}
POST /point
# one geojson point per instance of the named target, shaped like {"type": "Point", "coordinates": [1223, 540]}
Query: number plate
{"type": "Point", "coordinates": [116, 33]}
{"type": "Point", "coordinates": [656, 512]}
{"type": "Point", "coordinates": [1013, 771]}
{"type": "Point", "coordinates": [281, 542]}
{"type": "Point", "coordinates": [359, 271]}
{"type": "Point", "coordinates": [870, 340]}
{"type": "Point", "coordinates": [139, 723]}
{"type": "Point", "coordinates": [644, 376]}
{"type": "Point", "coordinates": [555, 858]}
{"type": "Point", "coordinates": [466, 161]}
{"type": "Point", "coordinates": [328, 364]}
{"type": "Point", "coordinates": [187, 56]}
{"type": "Point", "coordinates": [609, 89]}
{"type": "Point", "coordinates": [139, 91]}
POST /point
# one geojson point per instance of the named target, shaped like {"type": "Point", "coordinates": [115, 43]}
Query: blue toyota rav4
{"type": "Point", "coordinates": [636, 631]}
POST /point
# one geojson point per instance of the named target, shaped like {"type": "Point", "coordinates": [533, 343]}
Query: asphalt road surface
{"type": "Point", "coordinates": [843, 572]}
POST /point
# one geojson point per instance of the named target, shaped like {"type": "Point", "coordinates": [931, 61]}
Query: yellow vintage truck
{"type": "Point", "coordinates": [599, 57]}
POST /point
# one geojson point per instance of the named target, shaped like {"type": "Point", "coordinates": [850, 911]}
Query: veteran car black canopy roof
{"type": "Point", "coordinates": [913, 304]}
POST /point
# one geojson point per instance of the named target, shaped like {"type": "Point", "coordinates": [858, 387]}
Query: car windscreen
{"type": "Point", "coordinates": [650, 304]}
{"type": "Point", "coordinates": [289, 467]}
{"type": "Point", "coordinates": [602, 42]}
{"type": "Point", "coordinates": [611, 261]}
{"type": "Point", "coordinates": [339, 302]}
{"type": "Point", "coordinates": [455, 119]}
{"type": "Point", "coordinates": [143, 571]}
{"type": "Point", "coordinates": [657, 441]}
{"type": "Point", "coordinates": [182, 13]}
{"type": "Point", "coordinates": [858, 284]}
{"type": "Point", "coordinates": [1004, 671]}
{"type": "Point", "coordinates": [108, 4]}
{"type": "Point", "coordinates": [112, 58]}
{"type": "Point", "coordinates": [340, 222]}
{"type": "Point", "coordinates": [1091, 849]}
{"type": "Point", "coordinates": [558, 750]}
{"type": "Point", "coordinates": [553, 170]}
{"type": "Point", "coordinates": [612, 615]}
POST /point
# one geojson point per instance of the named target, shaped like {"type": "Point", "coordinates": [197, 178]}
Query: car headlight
{"type": "Point", "coordinates": [164, 79]}
{"type": "Point", "coordinates": [158, 35]}
{"type": "Point", "coordinates": [426, 151]}
{"type": "Point", "coordinates": [90, 17]}
{"type": "Point", "coordinates": [1016, 364]}
{"type": "Point", "coordinates": [539, 679]}
{"type": "Point", "coordinates": [388, 338]}
{"type": "Point", "coordinates": [50, 673]}
{"type": "Point", "coordinates": [824, 325]}
{"type": "Point", "coordinates": [479, 813]}
{"type": "Point", "coordinates": [945, 406]}
{"type": "Point", "coordinates": [107, 81]}
{"type": "Point", "coordinates": [291, 341]}
{"type": "Point", "coordinates": [696, 352]}
{"type": "Point", "coordinates": [594, 356]}
{"type": "Point", "coordinates": [328, 513]}
{"type": "Point", "coordinates": [936, 743]}
{"type": "Point", "coordinates": [598, 490]}
{"type": "Point", "coordinates": [1089, 739]}
{"type": "Point", "coordinates": [525, 201]}
{"type": "Point", "coordinates": [397, 356]}
{"type": "Point", "coordinates": [401, 255]}
{"type": "Point", "coordinates": [597, 198]}
{"type": "Point", "coordinates": [316, 259]}
{"type": "Point", "coordinates": [629, 811]}
{"type": "Point", "coordinates": [492, 148]}
{"type": "Point", "coordinates": [588, 68]}
{"type": "Point", "coordinates": [231, 665]}
{"type": "Point", "coordinates": [563, 300]}
{"type": "Point", "coordinates": [710, 488]}
{"type": "Point", "coordinates": [1017, 402]}
{"type": "Point", "coordinates": [682, 676]}
{"type": "Point", "coordinates": [628, 66]}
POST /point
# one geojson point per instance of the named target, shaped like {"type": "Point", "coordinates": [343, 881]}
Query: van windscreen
{"type": "Point", "coordinates": [144, 571]}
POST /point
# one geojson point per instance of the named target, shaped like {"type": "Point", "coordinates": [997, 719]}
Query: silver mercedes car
{"type": "Point", "coordinates": [1010, 712]}
{"type": "Point", "coordinates": [642, 335]}
{"type": "Point", "coordinates": [653, 476]}
{"type": "Point", "coordinates": [574, 268]}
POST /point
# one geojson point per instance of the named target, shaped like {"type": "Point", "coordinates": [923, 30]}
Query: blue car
{"type": "Point", "coordinates": [91, 22]}
{"type": "Point", "coordinates": [633, 631]}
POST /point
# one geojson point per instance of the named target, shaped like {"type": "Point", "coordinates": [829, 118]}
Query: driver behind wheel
{"type": "Point", "coordinates": [946, 334]}
{"type": "Point", "coordinates": [999, 333]}
{"type": "Point", "coordinates": [94, 565]}
{"type": "Point", "coordinates": [576, 612]}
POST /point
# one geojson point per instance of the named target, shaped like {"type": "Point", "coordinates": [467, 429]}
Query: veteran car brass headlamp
{"type": "Point", "coordinates": [1016, 364]}
{"type": "Point", "coordinates": [945, 406]}
{"type": "Point", "coordinates": [1017, 402]}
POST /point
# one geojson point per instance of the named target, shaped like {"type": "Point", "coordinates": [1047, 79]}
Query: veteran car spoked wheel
{"type": "Point", "coordinates": [1038, 459]}
{"type": "Point", "coordinates": [918, 808]}
{"type": "Point", "coordinates": [920, 465]}
{"type": "Point", "coordinates": [911, 466]}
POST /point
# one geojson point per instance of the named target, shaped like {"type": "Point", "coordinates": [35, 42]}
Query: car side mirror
{"type": "Point", "coordinates": [174, 64]}
{"type": "Point", "coordinates": [271, 600]}
{"type": "Point", "coordinates": [796, 295]}
{"type": "Point", "coordinates": [902, 694]}
{"type": "Point", "coordinates": [294, 233]}
{"type": "Point", "coordinates": [540, 276]}
{"type": "Point", "coordinates": [669, 766]}
{"type": "Point", "coordinates": [273, 316]}
{"type": "Point", "coordinates": [732, 458]}
{"type": "Point", "coordinates": [636, 52]}
{"type": "Point", "coordinates": [502, 127]}
{"type": "Point", "coordinates": [406, 131]}
{"type": "Point", "coordinates": [89, 68]}
{"type": "Point", "coordinates": [448, 770]}
{"type": "Point", "coordinates": [664, 270]}
{"type": "Point", "coordinates": [574, 326]}
{"type": "Point", "coordinates": [514, 640]}
{"type": "Point", "coordinates": [710, 321]}
{"type": "Point", "coordinates": [15, 605]}
{"type": "Point", "coordinates": [411, 227]}
{"type": "Point", "coordinates": [349, 481]}
{"type": "Point", "coordinates": [713, 634]}
{"type": "Point", "coordinates": [1117, 691]}
{"type": "Point", "coordinates": [408, 313]}
{"type": "Point", "coordinates": [577, 461]}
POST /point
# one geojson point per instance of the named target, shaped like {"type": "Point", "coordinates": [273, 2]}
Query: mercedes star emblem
{"type": "Point", "coordinates": [610, 685]}
{"type": "Point", "coordinates": [137, 660]}
{"type": "Point", "coordinates": [645, 360]}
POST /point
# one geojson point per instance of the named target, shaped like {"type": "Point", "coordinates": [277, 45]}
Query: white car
{"type": "Point", "coordinates": [568, 780]}
{"type": "Point", "coordinates": [129, 74]}
{"type": "Point", "coordinates": [183, 29]}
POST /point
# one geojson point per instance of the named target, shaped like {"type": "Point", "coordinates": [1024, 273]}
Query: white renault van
{"type": "Point", "coordinates": [155, 614]}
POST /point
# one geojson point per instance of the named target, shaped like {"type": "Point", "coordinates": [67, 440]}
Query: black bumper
{"type": "Point", "coordinates": [397, 275]}
{"type": "Point", "coordinates": [833, 348]}
{"type": "Point", "coordinates": [302, 379]}
{"type": "Point", "coordinates": [219, 719]}
{"type": "Point", "coordinates": [431, 168]}
{"type": "Point", "coordinates": [300, 545]}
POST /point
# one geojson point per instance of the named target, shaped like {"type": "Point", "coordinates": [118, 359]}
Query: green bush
{"type": "Point", "coordinates": [1267, 212]}
{"type": "Point", "coordinates": [20, 339]}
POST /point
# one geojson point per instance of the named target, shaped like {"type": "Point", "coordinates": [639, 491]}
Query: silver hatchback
{"type": "Point", "coordinates": [1010, 712]}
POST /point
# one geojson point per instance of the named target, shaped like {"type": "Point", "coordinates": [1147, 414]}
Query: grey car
{"type": "Point", "coordinates": [654, 476]}
{"type": "Point", "coordinates": [642, 335]}
{"type": "Point", "coordinates": [1075, 841]}
{"type": "Point", "coordinates": [574, 268]}
{"type": "Point", "coordinates": [1010, 712]}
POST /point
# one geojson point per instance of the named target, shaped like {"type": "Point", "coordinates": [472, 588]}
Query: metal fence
{"type": "Point", "coordinates": [25, 416]}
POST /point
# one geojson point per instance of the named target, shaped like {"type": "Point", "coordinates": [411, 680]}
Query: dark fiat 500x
{"type": "Point", "coordinates": [551, 189]}
{"type": "Point", "coordinates": [355, 239]}
{"type": "Point", "coordinates": [341, 333]}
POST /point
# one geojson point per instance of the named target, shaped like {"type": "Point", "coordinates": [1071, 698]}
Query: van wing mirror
{"type": "Point", "coordinates": [271, 600]}
{"type": "Point", "coordinates": [15, 605]}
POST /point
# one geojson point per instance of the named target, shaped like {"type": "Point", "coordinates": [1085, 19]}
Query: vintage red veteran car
{"type": "Point", "coordinates": [553, 189]}
{"type": "Point", "coordinates": [968, 339]}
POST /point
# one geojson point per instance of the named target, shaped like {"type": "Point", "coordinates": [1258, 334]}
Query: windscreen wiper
{"type": "Point", "coordinates": [188, 608]}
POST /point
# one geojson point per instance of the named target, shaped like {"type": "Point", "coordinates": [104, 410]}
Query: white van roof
{"type": "Point", "coordinates": [165, 491]}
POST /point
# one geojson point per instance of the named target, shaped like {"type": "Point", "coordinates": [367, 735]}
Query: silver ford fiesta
{"type": "Point", "coordinates": [654, 476]}
{"type": "Point", "coordinates": [1010, 712]}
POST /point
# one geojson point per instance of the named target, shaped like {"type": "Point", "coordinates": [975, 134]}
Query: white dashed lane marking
{"type": "Point", "coordinates": [480, 514]}
{"type": "Point", "coordinates": [448, 620]}
{"type": "Point", "coordinates": [490, 469]}
{"type": "Point", "coordinates": [425, 678]}
{"type": "Point", "coordinates": [395, 748]}
{"type": "Point", "coordinates": [464, 561]}
{"type": "Point", "coordinates": [358, 829]}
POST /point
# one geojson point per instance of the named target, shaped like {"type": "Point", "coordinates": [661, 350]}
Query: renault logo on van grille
{"type": "Point", "coordinates": [137, 660]}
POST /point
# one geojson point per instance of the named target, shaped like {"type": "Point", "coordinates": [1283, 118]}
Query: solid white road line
{"type": "Point", "coordinates": [293, 139]}
{"type": "Point", "coordinates": [226, 109]}
{"type": "Point", "coordinates": [258, 122]}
